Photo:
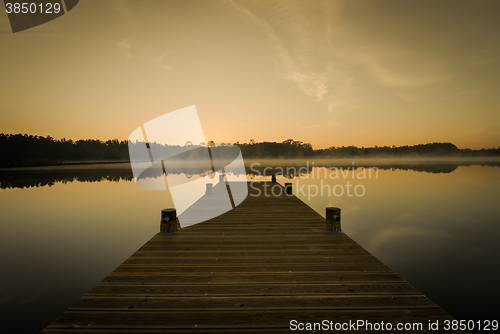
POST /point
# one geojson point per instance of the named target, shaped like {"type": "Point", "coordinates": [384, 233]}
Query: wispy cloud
{"type": "Point", "coordinates": [144, 54]}
{"type": "Point", "coordinates": [378, 68]}
{"type": "Point", "coordinates": [125, 48]}
{"type": "Point", "coordinates": [138, 46]}
{"type": "Point", "coordinates": [160, 61]}
{"type": "Point", "coordinates": [301, 56]}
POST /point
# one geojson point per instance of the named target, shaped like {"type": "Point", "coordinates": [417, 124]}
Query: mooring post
{"type": "Point", "coordinates": [221, 178]}
{"type": "Point", "coordinates": [288, 188]}
{"type": "Point", "coordinates": [209, 188]}
{"type": "Point", "coordinates": [273, 178]}
{"type": "Point", "coordinates": [168, 222]}
{"type": "Point", "coordinates": [333, 219]}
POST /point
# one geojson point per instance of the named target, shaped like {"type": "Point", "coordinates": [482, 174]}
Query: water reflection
{"type": "Point", "coordinates": [48, 176]}
{"type": "Point", "coordinates": [57, 242]}
{"type": "Point", "coordinates": [438, 228]}
{"type": "Point", "coordinates": [218, 185]}
{"type": "Point", "coordinates": [297, 168]}
{"type": "Point", "coordinates": [438, 231]}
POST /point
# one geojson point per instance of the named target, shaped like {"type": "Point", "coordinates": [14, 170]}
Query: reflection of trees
{"type": "Point", "coordinates": [191, 160]}
{"type": "Point", "coordinates": [40, 177]}
{"type": "Point", "coordinates": [37, 177]}
{"type": "Point", "coordinates": [436, 169]}
{"type": "Point", "coordinates": [27, 178]}
{"type": "Point", "coordinates": [300, 170]}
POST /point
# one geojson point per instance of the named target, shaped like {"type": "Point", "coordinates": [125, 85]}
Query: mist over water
{"type": "Point", "coordinates": [434, 222]}
{"type": "Point", "coordinates": [25, 177]}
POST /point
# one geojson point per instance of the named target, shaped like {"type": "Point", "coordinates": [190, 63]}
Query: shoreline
{"type": "Point", "coordinates": [274, 162]}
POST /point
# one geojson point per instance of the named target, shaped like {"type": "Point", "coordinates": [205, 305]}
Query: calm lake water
{"type": "Point", "coordinates": [64, 229]}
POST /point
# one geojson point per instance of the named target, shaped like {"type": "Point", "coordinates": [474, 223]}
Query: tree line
{"type": "Point", "coordinates": [293, 149]}
{"type": "Point", "coordinates": [19, 149]}
{"type": "Point", "coordinates": [23, 149]}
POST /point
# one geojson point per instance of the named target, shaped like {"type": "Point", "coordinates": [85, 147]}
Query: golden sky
{"type": "Point", "coordinates": [330, 73]}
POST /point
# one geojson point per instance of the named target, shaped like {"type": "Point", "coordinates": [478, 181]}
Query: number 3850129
{"type": "Point", "coordinates": [26, 7]}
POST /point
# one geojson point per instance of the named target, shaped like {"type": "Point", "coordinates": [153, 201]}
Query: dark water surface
{"type": "Point", "coordinates": [64, 229]}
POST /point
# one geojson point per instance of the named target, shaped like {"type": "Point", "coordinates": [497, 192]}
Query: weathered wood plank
{"type": "Point", "coordinates": [256, 252]}
{"type": "Point", "coordinates": [152, 289]}
{"type": "Point", "coordinates": [251, 270]}
{"type": "Point", "coordinates": [248, 278]}
{"type": "Point", "coordinates": [342, 302]}
{"type": "Point", "coordinates": [214, 331]}
{"type": "Point", "coordinates": [235, 319]}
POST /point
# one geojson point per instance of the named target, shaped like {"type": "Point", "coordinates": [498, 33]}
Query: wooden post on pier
{"type": "Point", "coordinates": [250, 270]}
{"type": "Point", "coordinates": [168, 223]}
{"type": "Point", "coordinates": [288, 189]}
{"type": "Point", "coordinates": [273, 178]}
{"type": "Point", "coordinates": [333, 219]}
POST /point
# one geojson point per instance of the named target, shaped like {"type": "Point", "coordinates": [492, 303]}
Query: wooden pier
{"type": "Point", "coordinates": [253, 269]}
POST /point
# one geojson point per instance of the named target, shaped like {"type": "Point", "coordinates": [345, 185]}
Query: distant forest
{"type": "Point", "coordinates": [22, 150]}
